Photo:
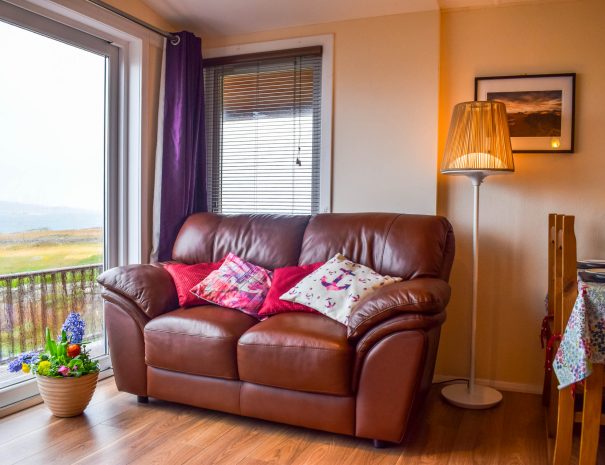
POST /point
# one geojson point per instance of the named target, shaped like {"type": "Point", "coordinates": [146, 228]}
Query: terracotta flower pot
{"type": "Point", "coordinates": [67, 397]}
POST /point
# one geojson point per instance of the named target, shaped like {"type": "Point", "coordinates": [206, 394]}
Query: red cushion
{"type": "Point", "coordinates": [285, 279]}
{"type": "Point", "coordinates": [186, 277]}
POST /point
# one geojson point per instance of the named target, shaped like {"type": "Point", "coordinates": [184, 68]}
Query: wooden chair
{"type": "Point", "coordinates": [565, 291]}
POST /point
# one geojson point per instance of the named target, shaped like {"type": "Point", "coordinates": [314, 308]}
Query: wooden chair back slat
{"type": "Point", "coordinates": [555, 271]}
{"type": "Point", "coordinates": [558, 271]}
{"type": "Point", "coordinates": [552, 247]}
{"type": "Point", "coordinates": [569, 267]}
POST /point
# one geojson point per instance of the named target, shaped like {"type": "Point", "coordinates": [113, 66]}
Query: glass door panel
{"type": "Point", "coordinates": [55, 156]}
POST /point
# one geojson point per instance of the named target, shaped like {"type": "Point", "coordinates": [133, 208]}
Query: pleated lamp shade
{"type": "Point", "coordinates": [479, 140]}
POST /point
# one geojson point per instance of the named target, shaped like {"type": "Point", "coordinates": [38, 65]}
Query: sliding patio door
{"type": "Point", "coordinates": [58, 179]}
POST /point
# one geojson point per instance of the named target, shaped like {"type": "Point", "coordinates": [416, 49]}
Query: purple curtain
{"type": "Point", "coordinates": [184, 147]}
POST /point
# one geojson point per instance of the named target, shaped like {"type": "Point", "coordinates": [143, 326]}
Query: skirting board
{"type": "Point", "coordinates": [500, 385]}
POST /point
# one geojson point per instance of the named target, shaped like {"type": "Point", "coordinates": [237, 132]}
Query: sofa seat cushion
{"type": "Point", "coordinates": [197, 340]}
{"type": "Point", "coordinates": [298, 351]}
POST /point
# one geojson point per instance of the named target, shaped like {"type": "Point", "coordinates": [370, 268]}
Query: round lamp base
{"type": "Point", "coordinates": [482, 396]}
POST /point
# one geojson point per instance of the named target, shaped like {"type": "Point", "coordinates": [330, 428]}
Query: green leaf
{"type": "Point", "coordinates": [51, 345]}
{"type": "Point", "coordinates": [63, 336]}
{"type": "Point", "coordinates": [48, 340]}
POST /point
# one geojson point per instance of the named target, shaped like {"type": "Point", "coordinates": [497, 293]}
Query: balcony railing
{"type": "Point", "coordinates": [30, 302]}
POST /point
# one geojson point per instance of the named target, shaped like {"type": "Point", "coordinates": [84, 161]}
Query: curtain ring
{"type": "Point", "coordinates": [175, 40]}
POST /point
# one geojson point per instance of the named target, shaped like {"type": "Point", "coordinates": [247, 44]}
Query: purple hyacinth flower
{"type": "Point", "coordinates": [74, 327]}
{"type": "Point", "coordinates": [28, 357]}
{"type": "Point", "coordinates": [15, 365]}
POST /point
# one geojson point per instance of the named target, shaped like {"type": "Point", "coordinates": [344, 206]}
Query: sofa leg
{"type": "Point", "coordinates": [378, 444]}
{"type": "Point", "coordinates": [142, 399]}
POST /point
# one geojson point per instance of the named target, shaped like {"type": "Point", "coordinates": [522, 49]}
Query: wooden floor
{"type": "Point", "coordinates": [116, 430]}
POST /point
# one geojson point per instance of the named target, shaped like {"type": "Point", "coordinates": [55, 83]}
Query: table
{"type": "Point", "coordinates": [583, 342]}
{"type": "Point", "coordinates": [581, 356]}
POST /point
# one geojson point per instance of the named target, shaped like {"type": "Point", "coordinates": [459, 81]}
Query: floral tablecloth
{"type": "Point", "coordinates": [583, 341]}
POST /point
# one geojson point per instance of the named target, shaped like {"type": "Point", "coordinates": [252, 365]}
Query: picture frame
{"type": "Point", "coordinates": [540, 108]}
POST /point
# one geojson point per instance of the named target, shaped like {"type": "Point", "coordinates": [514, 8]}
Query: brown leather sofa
{"type": "Point", "coordinates": [298, 368]}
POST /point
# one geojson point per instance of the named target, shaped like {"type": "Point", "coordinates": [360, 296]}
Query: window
{"type": "Point", "coordinates": [263, 131]}
{"type": "Point", "coordinates": [58, 202]}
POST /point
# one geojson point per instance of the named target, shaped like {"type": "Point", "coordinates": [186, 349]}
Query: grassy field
{"type": "Point", "coordinates": [43, 250]}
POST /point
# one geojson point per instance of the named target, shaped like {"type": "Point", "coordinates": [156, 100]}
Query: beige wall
{"type": "Point", "coordinates": [385, 109]}
{"type": "Point", "coordinates": [533, 39]}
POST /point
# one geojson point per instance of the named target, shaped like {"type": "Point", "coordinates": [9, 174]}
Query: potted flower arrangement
{"type": "Point", "coordinates": [66, 375]}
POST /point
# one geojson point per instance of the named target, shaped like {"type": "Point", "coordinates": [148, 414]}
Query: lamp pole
{"type": "Point", "coordinates": [476, 179]}
{"type": "Point", "coordinates": [473, 396]}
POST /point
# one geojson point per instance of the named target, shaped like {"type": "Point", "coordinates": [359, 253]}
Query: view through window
{"type": "Point", "coordinates": [52, 190]}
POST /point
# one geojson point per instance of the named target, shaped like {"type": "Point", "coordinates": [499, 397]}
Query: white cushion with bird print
{"type": "Point", "coordinates": [336, 287]}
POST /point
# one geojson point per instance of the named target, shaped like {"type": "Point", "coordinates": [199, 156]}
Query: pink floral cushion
{"type": "Point", "coordinates": [236, 284]}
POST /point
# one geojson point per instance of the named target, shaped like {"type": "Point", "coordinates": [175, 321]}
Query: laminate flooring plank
{"type": "Point", "coordinates": [282, 449]}
{"type": "Point", "coordinates": [75, 445]}
{"type": "Point", "coordinates": [141, 430]}
{"type": "Point", "coordinates": [238, 442]}
{"type": "Point", "coordinates": [209, 429]}
{"type": "Point", "coordinates": [432, 435]}
{"type": "Point", "coordinates": [478, 435]}
{"type": "Point", "coordinates": [523, 436]}
{"type": "Point", "coordinates": [332, 449]}
{"type": "Point", "coordinates": [174, 452]}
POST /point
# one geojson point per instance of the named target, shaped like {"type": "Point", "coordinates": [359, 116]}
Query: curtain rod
{"type": "Point", "coordinates": [173, 38]}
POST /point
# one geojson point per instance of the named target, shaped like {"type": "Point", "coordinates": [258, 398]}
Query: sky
{"type": "Point", "coordinates": [529, 101]}
{"type": "Point", "coordinates": [51, 122]}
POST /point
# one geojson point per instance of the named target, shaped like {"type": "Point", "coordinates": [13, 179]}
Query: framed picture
{"type": "Point", "coordinates": [540, 109]}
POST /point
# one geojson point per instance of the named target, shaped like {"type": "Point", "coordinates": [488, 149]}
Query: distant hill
{"type": "Point", "coordinates": [17, 217]}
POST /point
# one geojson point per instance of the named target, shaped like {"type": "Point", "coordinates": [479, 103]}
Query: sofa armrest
{"type": "Point", "coordinates": [422, 295]}
{"type": "Point", "coordinates": [149, 287]}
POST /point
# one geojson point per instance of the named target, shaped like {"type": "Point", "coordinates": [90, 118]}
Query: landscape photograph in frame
{"type": "Point", "coordinates": [540, 109]}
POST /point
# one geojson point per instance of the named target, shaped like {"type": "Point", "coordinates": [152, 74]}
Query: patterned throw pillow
{"type": "Point", "coordinates": [335, 288]}
{"type": "Point", "coordinates": [283, 280]}
{"type": "Point", "coordinates": [187, 276]}
{"type": "Point", "coordinates": [236, 284]}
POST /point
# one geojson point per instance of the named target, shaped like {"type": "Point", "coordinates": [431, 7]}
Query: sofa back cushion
{"type": "Point", "coordinates": [270, 241]}
{"type": "Point", "coordinates": [407, 246]}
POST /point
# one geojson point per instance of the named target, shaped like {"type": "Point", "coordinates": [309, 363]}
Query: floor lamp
{"type": "Point", "coordinates": [478, 145]}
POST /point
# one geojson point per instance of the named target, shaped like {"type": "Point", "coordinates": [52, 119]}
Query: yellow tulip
{"type": "Point", "coordinates": [25, 368]}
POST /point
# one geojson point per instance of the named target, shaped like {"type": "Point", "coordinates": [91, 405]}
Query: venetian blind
{"type": "Point", "coordinates": [263, 126]}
